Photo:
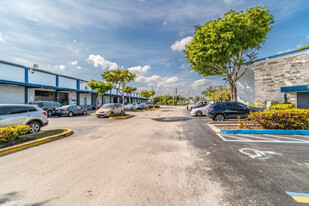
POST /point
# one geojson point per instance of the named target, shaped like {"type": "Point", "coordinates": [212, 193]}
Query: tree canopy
{"type": "Point", "coordinates": [222, 46]}
{"type": "Point", "coordinates": [99, 86]}
{"type": "Point", "coordinates": [147, 94]}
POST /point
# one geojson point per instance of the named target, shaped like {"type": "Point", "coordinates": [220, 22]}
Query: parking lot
{"type": "Point", "coordinates": [162, 157]}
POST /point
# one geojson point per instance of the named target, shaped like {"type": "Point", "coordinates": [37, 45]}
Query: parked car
{"type": "Point", "coordinates": [70, 110]}
{"type": "Point", "coordinates": [95, 107]}
{"type": "Point", "coordinates": [109, 110]}
{"type": "Point", "coordinates": [150, 105]}
{"type": "Point", "coordinates": [134, 106]}
{"type": "Point", "coordinates": [189, 107]}
{"type": "Point", "coordinates": [17, 114]}
{"type": "Point", "coordinates": [48, 106]}
{"type": "Point", "coordinates": [128, 107]}
{"type": "Point", "coordinates": [142, 106]}
{"type": "Point", "coordinates": [200, 111]}
{"type": "Point", "coordinates": [230, 110]}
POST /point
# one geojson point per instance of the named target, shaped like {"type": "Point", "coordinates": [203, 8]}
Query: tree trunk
{"type": "Point", "coordinates": [233, 89]}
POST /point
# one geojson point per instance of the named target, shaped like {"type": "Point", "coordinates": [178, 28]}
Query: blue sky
{"type": "Point", "coordinates": [85, 38]}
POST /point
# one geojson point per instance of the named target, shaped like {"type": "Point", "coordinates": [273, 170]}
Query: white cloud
{"type": "Point", "coordinates": [61, 67]}
{"type": "Point", "coordinates": [181, 45]}
{"type": "Point", "coordinates": [164, 23]}
{"type": "Point", "coordinates": [149, 80]}
{"type": "Point", "coordinates": [228, 1]}
{"type": "Point", "coordinates": [73, 62]}
{"type": "Point", "coordinates": [170, 82]}
{"type": "Point", "coordinates": [139, 71]}
{"type": "Point", "coordinates": [160, 81]}
{"type": "Point", "coordinates": [1, 38]}
{"type": "Point", "coordinates": [202, 84]}
{"type": "Point", "coordinates": [98, 60]}
{"type": "Point", "coordinates": [79, 67]}
{"type": "Point", "coordinates": [285, 51]}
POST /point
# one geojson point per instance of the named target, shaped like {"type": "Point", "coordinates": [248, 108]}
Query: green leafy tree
{"type": "Point", "coordinates": [221, 47]}
{"type": "Point", "coordinates": [119, 79]}
{"type": "Point", "coordinates": [99, 87]}
{"type": "Point", "coordinates": [129, 90]}
{"type": "Point", "coordinates": [217, 94]}
{"type": "Point", "coordinates": [147, 94]}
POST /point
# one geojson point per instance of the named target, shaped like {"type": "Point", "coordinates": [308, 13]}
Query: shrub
{"type": "Point", "coordinates": [282, 107]}
{"type": "Point", "coordinates": [10, 133]}
{"type": "Point", "coordinates": [157, 106]}
{"type": "Point", "coordinates": [281, 119]}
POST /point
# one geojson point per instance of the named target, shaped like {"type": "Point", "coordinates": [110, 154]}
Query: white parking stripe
{"type": "Point", "coordinates": [246, 135]}
{"type": "Point", "coordinates": [240, 138]}
{"type": "Point", "coordinates": [269, 135]}
{"type": "Point", "coordinates": [301, 136]}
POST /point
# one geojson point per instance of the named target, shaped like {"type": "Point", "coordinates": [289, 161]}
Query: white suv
{"type": "Point", "coordinates": [16, 114]}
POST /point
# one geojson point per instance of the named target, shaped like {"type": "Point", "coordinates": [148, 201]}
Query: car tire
{"type": "Point", "coordinates": [49, 113]}
{"type": "Point", "coordinates": [112, 114]}
{"type": "Point", "coordinates": [219, 117]}
{"type": "Point", "coordinates": [35, 126]}
{"type": "Point", "coordinates": [199, 113]}
{"type": "Point", "coordinates": [85, 113]}
{"type": "Point", "coordinates": [70, 114]}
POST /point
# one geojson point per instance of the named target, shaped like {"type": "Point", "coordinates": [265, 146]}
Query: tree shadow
{"type": "Point", "coordinates": [171, 119]}
{"type": "Point", "coordinates": [4, 198]}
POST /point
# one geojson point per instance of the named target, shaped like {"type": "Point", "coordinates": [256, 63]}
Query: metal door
{"type": "Point", "coordinates": [303, 100]}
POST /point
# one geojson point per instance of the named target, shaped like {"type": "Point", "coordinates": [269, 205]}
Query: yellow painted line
{"type": "Point", "coordinates": [125, 117]}
{"type": "Point", "coordinates": [301, 199]}
{"type": "Point", "coordinates": [25, 145]}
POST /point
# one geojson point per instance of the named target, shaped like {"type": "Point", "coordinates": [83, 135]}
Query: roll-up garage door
{"type": "Point", "coordinates": [303, 100]}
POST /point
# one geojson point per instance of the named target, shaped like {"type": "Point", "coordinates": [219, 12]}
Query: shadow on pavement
{"type": "Point", "coordinates": [171, 119]}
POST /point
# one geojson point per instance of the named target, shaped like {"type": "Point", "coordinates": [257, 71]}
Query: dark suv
{"type": "Point", "coordinates": [230, 110]}
{"type": "Point", "coordinates": [49, 107]}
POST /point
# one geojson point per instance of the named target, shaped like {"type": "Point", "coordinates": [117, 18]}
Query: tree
{"type": "Point", "coordinates": [119, 79]}
{"type": "Point", "coordinates": [129, 90]}
{"type": "Point", "coordinates": [147, 94]}
{"type": "Point", "coordinates": [217, 93]}
{"type": "Point", "coordinates": [221, 47]}
{"type": "Point", "coordinates": [99, 87]}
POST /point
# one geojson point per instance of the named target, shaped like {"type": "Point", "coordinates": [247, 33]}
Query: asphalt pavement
{"type": "Point", "coordinates": [162, 157]}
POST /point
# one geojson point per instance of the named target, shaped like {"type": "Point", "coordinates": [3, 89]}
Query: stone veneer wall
{"type": "Point", "coordinates": [270, 75]}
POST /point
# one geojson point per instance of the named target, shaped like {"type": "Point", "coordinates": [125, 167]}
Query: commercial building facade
{"type": "Point", "coordinates": [20, 85]}
{"type": "Point", "coordinates": [282, 78]}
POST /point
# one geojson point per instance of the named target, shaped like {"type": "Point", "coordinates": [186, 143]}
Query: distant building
{"type": "Point", "coordinates": [21, 84]}
{"type": "Point", "coordinates": [283, 78]}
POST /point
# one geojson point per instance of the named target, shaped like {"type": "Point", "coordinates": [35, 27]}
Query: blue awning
{"type": "Point", "coordinates": [300, 88]}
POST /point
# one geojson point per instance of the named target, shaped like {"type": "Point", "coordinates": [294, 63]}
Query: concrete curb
{"type": "Point", "coordinates": [214, 128]}
{"type": "Point", "coordinates": [264, 131]}
{"type": "Point", "coordinates": [33, 143]}
{"type": "Point", "coordinates": [123, 117]}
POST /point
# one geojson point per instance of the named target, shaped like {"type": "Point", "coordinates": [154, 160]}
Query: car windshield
{"type": "Point", "coordinates": [107, 106]}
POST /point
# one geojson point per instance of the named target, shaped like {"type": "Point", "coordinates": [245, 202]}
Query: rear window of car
{"type": "Point", "coordinates": [1, 110]}
{"type": "Point", "coordinates": [16, 110]}
{"type": "Point", "coordinates": [239, 105]}
{"type": "Point", "coordinates": [38, 103]}
{"type": "Point", "coordinates": [47, 104]}
{"type": "Point", "coordinates": [227, 105]}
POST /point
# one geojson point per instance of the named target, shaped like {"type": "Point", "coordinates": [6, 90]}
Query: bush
{"type": "Point", "coordinates": [281, 119]}
{"type": "Point", "coordinates": [10, 133]}
{"type": "Point", "coordinates": [281, 107]}
{"type": "Point", "coordinates": [157, 106]}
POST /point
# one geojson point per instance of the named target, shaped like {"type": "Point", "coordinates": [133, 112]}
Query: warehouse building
{"type": "Point", "coordinates": [20, 85]}
{"type": "Point", "coordinates": [282, 78]}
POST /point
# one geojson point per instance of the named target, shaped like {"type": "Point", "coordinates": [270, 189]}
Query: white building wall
{"type": "Point", "coordinates": [12, 73]}
{"type": "Point", "coordinates": [42, 78]}
{"type": "Point", "coordinates": [106, 99]}
{"type": "Point", "coordinates": [83, 86]}
{"type": "Point", "coordinates": [245, 86]}
{"type": "Point", "coordinates": [12, 94]}
{"type": "Point", "coordinates": [72, 98]}
{"type": "Point", "coordinates": [67, 83]}
{"type": "Point", "coordinates": [82, 98]}
{"type": "Point", "coordinates": [31, 94]}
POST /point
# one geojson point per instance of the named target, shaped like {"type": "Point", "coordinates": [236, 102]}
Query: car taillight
{"type": "Point", "coordinates": [211, 109]}
{"type": "Point", "coordinates": [42, 108]}
{"type": "Point", "coordinates": [45, 113]}
{"type": "Point", "coordinates": [64, 110]}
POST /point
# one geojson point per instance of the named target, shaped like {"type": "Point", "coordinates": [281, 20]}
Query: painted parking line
{"type": "Point", "coordinates": [243, 138]}
{"type": "Point", "coordinates": [299, 197]}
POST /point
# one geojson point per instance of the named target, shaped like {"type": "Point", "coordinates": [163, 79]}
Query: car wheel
{"type": "Point", "coordinates": [49, 113]}
{"type": "Point", "coordinates": [70, 114]}
{"type": "Point", "coordinates": [35, 126]}
{"type": "Point", "coordinates": [85, 112]}
{"type": "Point", "coordinates": [219, 117]}
{"type": "Point", "coordinates": [199, 113]}
{"type": "Point", "coordinates": [112, 114]}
